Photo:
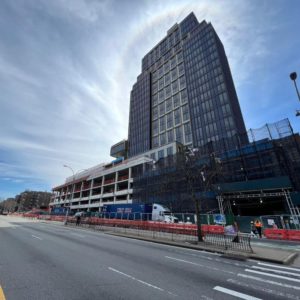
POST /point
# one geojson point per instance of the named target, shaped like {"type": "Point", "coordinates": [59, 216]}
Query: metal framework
{"type": "Point", "coordinates": [273, 153]}
{"type": "Point", "coordinates": [293, 210]}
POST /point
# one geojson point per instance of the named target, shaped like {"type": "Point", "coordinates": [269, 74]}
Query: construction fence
{"type": "Point", "coordinates": [214, 236]}
{"type": "Point", "coordinates": [280, 227]}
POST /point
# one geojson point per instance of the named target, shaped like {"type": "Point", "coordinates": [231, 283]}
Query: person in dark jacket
{"type": "Point", "coordinates": [78, 218]}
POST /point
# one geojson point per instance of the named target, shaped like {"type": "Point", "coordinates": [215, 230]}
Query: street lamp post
{"type": "Point", "coordinates": [73, 189]}
{"type": "Point", "coordinates": [70, 201]}
{"type": "Point", "coordinates": [293, 77]}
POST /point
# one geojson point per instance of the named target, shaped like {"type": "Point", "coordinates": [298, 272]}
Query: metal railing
{"type": "Point", "coordinates": [214, 236]}
{"type": "Point", "coordinates": [233, 242]}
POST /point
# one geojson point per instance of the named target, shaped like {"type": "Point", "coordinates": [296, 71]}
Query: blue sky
{"type": "Point", "coordinates": [67, 68]}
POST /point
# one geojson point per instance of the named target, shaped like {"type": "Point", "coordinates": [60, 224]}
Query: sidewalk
{"type": "Point", "coordinates": [274, 255]}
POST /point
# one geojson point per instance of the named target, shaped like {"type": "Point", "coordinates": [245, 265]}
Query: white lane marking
{"type": "Point", "coordinates": [140, 281]}
{"type": "Point", "coordinates": [206, 298]}
{"type": "Point", "coordinates": [216, 259]}
{"type": "Point", "coordinates": [185, 261]}
{"type": "Point", "coordinates": [234, 293]}
{"type": "Point", "coordinates": [269, 281]}
{"type": "Point", "coordinates": [279, 267]}
{"type": "Point", "coordinates": [199, 265]}
{"type": "Point", "coordinates": [272, 275]}
{"type": "Point", "coordinates": [36, 237]}
{"type": "Point", "coordinates": [263, 289]}
{"type": "Point", "coordinates": [276, 271]}
{"type": "Point", "coordinates": [78, 234]}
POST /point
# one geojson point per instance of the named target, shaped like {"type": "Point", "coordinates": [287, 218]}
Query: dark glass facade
{"type": "Point", "coordinates": [185, 92]}
{"type": "Point", "coordinates": [140, 116]}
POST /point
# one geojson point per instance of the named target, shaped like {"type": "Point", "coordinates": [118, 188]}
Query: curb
{"type": "Point", "coordinates": [288, 260]}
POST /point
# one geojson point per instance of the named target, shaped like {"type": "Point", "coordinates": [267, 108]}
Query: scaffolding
{"type": "Point", "coordinates": [270, 153]}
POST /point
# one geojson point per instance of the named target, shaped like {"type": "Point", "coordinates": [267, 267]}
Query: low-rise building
{"type": "Point", "coordinates": [107, 183]}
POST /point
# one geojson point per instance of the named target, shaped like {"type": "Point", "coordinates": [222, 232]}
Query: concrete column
{"type": "Point", "coordinates": [129, 176]}
{"type": "Point", "coordinates": [80, 194]}
{"type": "Point", "coordinates": [90, 193]}
{"type": "Point", "coordinates": [101, 195]}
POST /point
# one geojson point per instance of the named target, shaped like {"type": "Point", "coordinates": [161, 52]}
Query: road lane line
{"type": "Point", "coordinates": [269, 281]}
{"type": "Point", "coordinates": [216, 259]}
{"type": "Point", "coordinates": [140, 281]}
{"type": "Point", "coordinates": [263, 289]}
{"type": "Point", "coordinates": [78, 234]}
{"type": "Point", "coordinates": [276, 271]}
{"type": "Point", "coordinates": [272, 275]}
{"type": "Point", "coordinates": [185, 261]}
{"type": "Point", "coordinates": [2, 296]}
{"type": "Point", "coordinates": [279, 267]}
{"type": "Point", "coordinates": [234, 293]}
{"type": "Point", "coordinates": [133, 278]}
{"type": "Point", "coordinates": [36, 237]}
{"type": "Point", "coordinates": [200, 265]}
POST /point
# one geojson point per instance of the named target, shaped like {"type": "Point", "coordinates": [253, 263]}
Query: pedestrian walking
{"type": "Point", "coordinates": [236, 231]}
{"type": "Point", "coordinates": [253, 229]}
{"type": "Point", "coordinates": [258, 226]}
{"type": "Point", "coordinates": [78, 217]}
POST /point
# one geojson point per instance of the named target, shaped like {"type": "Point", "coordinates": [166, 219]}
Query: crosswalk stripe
{"type": "Point", "coordinates": [279, 267]}
{"type": "Point", "coordinates": [235, 293]}
{"type": "Point", "coordinates": [276, 271]}
{"type": "Point", "coordinates": [254, 286]}
{"type": "Point", "coordinates": [269, 281]}
{"type": "Point", "coordinates": [272, 275]}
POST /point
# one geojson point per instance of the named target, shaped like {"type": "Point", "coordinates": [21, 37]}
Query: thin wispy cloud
{"type": "Point", "coordinates": [67, 68]}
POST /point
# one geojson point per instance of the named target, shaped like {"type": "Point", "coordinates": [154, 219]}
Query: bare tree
{"type": "Point", "coordinates": [199, 173]}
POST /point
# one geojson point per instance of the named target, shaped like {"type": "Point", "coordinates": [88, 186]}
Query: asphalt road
{"type": "Point", "coordinates": [49, 261]}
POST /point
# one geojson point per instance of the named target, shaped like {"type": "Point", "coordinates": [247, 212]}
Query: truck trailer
{"type": "Point", "coordinates": [137, 211]}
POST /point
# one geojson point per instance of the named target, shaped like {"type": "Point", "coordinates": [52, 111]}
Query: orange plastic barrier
{"type": "Point", "coordinates": [58, 218]}
{"type": "Point", "coordinates": [26, 215]}
{"type": "Point", "coordinates": [44, 217]}
{"type": "Point", "coordinates": [293, 235]}
{"type": "Point", "coordinates": [276, 234]}
{"type": "Point", "coordinates": [215, 229]}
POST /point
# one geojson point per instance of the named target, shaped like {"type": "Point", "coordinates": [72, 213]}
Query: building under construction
{"type": "Point", "coordinates": [259, 178]}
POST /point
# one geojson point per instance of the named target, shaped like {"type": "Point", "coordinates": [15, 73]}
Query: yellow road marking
{"type": "Point", "coordinates": [2, 297]}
